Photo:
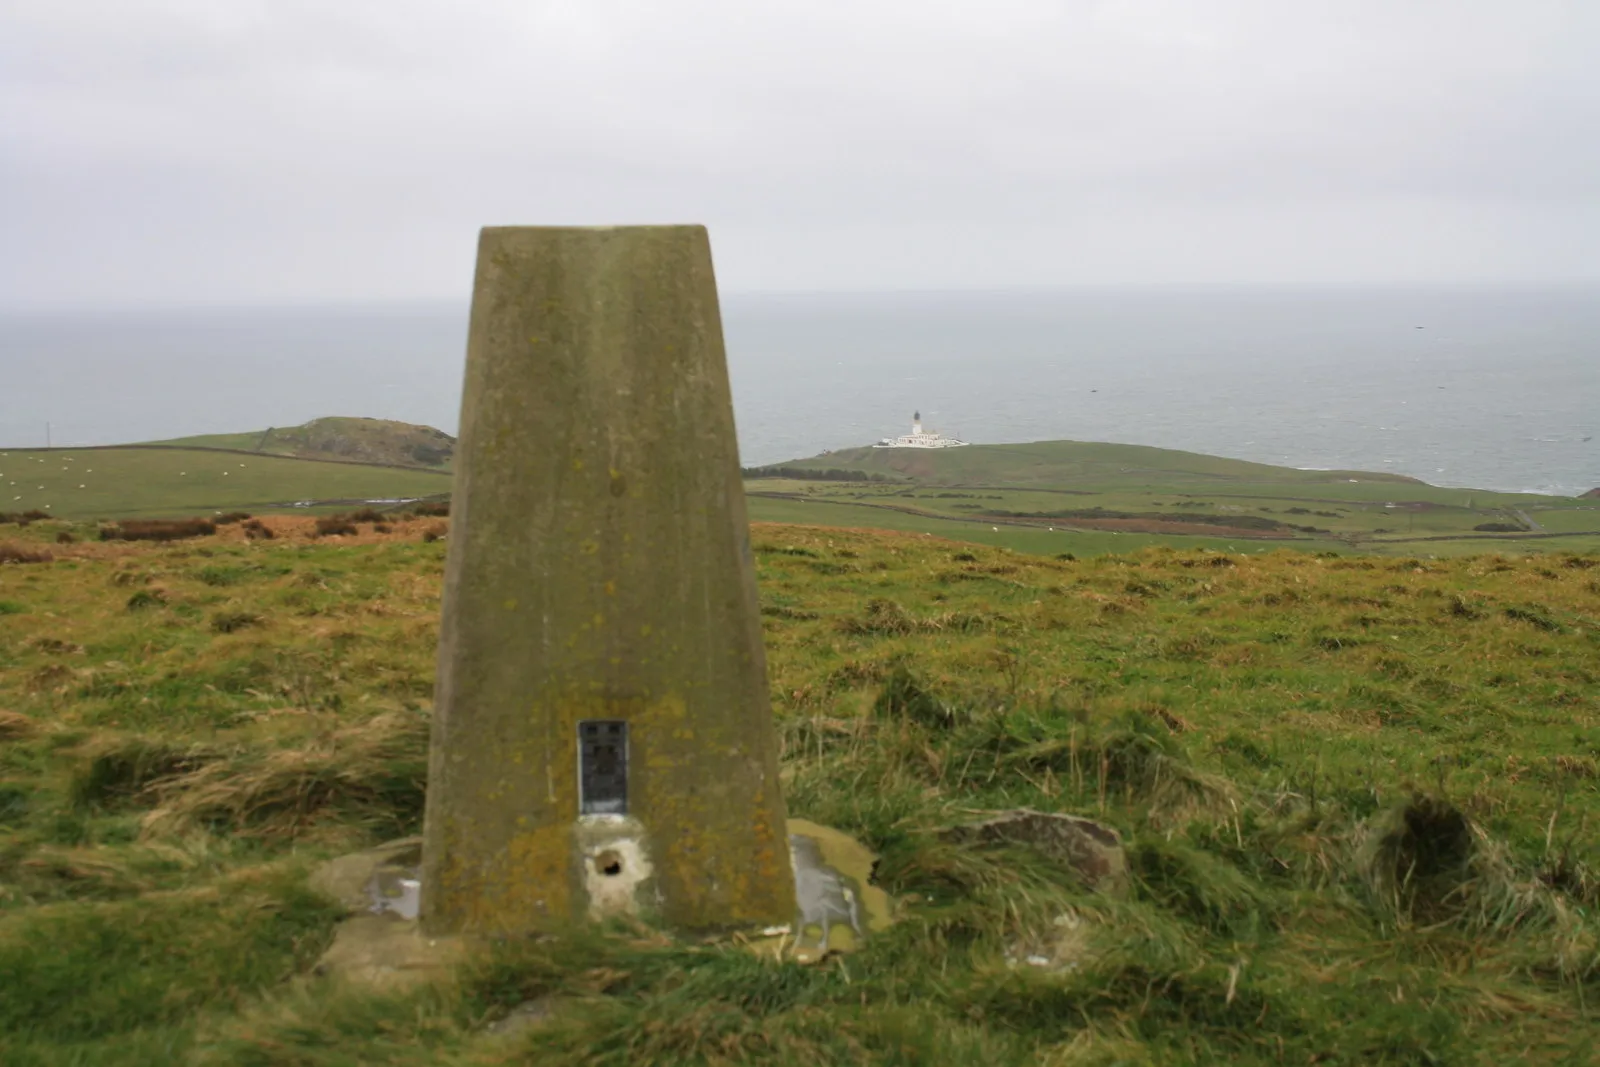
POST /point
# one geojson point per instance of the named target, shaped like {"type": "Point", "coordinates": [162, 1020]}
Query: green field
{"type": "Point", "coordinates": [113, 483]}
{"type": "Point", "coordinates": [1049, 497]}
{"type": "Point", "coordinates": [828, 511]}
{"type": "Point", "coordinates": [1360, 798]}
{"type": "Point", "coordinates": [1065, 496]}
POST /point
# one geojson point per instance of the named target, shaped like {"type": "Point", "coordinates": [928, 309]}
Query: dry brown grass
{"type": "Point", "coordinates": [370, 770]}
{"type": "Point", "coordinates": [14, 725]}
{"type": "Point", "coordinates": [158, 530]}
{"type": "Point", "coordinates": [305, 528]}
{"type": "Point", "coordinates": [14, 553]}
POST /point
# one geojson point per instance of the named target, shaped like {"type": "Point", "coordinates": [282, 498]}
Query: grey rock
{"type": "Point", "coordinates": [1091, 849]}
{"type": "Point", "coordinates": [525, 1016]}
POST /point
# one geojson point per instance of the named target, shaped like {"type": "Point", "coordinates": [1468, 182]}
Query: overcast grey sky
{"type": "Point", "coordinates": [172, 152]}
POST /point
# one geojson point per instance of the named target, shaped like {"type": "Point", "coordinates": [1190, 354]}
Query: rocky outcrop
{"type": "Point", "coordinates": [364, 441]}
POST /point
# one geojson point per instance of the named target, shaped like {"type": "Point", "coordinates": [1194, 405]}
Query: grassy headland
{"type": "Point", "coordinates": [1084, 497]}
{"type": "Point", "coordinates": [1360, 796]}
{"type": "Point", "coordinates": [338, 438]}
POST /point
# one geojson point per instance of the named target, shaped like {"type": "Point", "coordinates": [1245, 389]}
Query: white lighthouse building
{"type": "Point", "coordinates": [918, 439]}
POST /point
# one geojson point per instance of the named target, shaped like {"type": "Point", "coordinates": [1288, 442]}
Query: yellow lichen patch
{"type": "Point", "coordinates": [533, 880]}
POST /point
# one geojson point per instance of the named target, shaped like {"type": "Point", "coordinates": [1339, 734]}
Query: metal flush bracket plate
{"type": "Point", "coordinates": [602, 767]}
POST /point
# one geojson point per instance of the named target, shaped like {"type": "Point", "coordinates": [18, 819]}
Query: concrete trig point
{"type": "Point", "coordinates": [602, 736]}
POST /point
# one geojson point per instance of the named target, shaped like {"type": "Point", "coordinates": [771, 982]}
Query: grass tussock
{"type": "Point", "coordinates": [904, 697]}
{"type": "Point", "coordinates": [117, 770]}
{"type": "Point", "coordinates": [14, 725]}
{"type": "Point", "coordinates": [883, 616]}
{"type": "Point", "coordinates": [1135, 760]}
{"type": "Point", "coordinates": [145, 599]}
{"type": "Point", "coordinates": [227, 622]}
{"type": "Point", "coordinates": [371, 773]}
{"type": "Point", "coordinates": [335, 526]}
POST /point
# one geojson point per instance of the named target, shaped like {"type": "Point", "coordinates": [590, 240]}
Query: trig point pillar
{"type": "Point", "coordinates": [602, 736]}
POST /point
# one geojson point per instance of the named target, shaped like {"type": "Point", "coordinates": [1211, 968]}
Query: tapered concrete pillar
{"type": "Point", "coordinates": [602, 737]}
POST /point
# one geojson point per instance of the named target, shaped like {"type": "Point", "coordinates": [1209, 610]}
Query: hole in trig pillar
{"type": "Point", "coordinates": [602, 767]}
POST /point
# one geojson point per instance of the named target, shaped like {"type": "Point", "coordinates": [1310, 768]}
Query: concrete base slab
{"type": "Point", "coordinates": [371, 880]}
{"type": "Point", "coordinates": [388, 952]}
{"type": "Point", "coordinates": [382, 945]}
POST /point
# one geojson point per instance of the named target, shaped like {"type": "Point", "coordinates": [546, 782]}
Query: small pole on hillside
{"type": "Point", "coordinates": [47, 437]}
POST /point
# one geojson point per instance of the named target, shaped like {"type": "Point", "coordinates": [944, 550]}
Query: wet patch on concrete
{"type": "Point", "coordinates": [838, 906]}
{"type": "Point", "coordinates": [397, 890]}
{"type": "Point", "coordinates": [366, 881]}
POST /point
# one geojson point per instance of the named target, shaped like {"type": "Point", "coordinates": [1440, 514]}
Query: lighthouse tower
{"type": "Point", "coordinates": [918, 438]}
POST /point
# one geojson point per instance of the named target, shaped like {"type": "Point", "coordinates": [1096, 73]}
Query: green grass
{"type": "Point", "coordinates": [1567, 519]}
{"type": "Point", "coordinates": [1361, 798]}
{"type": "Point", "coordinates": [258, 441]}
{"type": "Point", "coordinates": [121, 482]}
{"type": "Point", "coordinates": [828, 511]}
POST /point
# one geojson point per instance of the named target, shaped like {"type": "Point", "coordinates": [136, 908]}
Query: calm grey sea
{"type": "Point", "coordinates": [1494, 389]}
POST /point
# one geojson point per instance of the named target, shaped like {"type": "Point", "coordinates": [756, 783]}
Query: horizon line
{"type": "Point", "coordinates": [463, 300]}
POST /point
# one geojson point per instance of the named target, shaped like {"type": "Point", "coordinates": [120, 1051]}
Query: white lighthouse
{"type": "Point", "coordinates": [919, 439]}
